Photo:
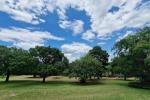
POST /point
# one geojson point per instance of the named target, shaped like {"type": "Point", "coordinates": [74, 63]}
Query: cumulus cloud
{"type": "Point", "coordinates": [24, 10]}
{"type": "Point", "coordinates": [104, 23]}
{"type": "Point", "coordinates": [24, 38]}
{"type": "Point", "coordinates": [76, 26]}
{"type": "Point", "coordinates": [130, 13]}
{"type": "Point", "coordinates": [75, 50]}
{"type": "Point", "coordinates": [88, 35]}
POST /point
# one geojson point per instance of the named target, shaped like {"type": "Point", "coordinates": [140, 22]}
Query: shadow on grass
{"type": "Point", "coordinates": [30, 83]}
{"type": "Point", "coordinates": [140, 85]}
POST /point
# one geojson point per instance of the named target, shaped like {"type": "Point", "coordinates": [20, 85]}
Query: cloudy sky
{"type": "Point", "coordinates": [73, 26]}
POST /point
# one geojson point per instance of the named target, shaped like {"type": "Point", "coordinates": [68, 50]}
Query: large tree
{"type": "Point", "coordinates": [85, 68]}
{"type": "Point", "coordinates": [47, 57]}
{"type": "Point", "coordinates": [13, 61]}
{"type": "Point", "coordinates": [122, 65]}
{"type": "Point", "coordinates": [137, 48]}
{"type": "Point", "coordinates": [5, 57]}
{"type": "Point", "coordinates": [102, 56]}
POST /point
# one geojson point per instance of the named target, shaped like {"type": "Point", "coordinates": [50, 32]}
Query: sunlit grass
{"type": "Point", "coordinates": [63, 88]}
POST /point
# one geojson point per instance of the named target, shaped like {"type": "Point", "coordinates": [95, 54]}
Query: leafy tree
{"type": "Point", "coordinates": [122, 65]}
{"type": "Point", "coordinates": [136, 47]}
{"type": "Point", "coordinates": [61, 67]}
{"type": "Point", "coordinates": [5, 67]}
{"type": "Point", "coordinates": [47, 57]}
{"type": "Point", "coordinates": [101, 56]}
{"type": "Point", "coordinates": [147, 72]}
{"type": "Point", "coordinates": [85, 68]}
{"type": "Point", "coordinates": [13, 61]}
{"type": "Point", "coordinates": [46, 70]}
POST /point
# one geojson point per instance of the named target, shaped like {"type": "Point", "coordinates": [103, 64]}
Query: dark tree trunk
{"type": "Point", "coordinates": [34, 75]}
{"type": "Point", "coordinates": [125, 77]}
{"type": "Point", "coordinates": [7, 77]}
{"type": "Point", "coordinates": [82, 81]}
{"type": "Point", "coordinates": [44, 79]}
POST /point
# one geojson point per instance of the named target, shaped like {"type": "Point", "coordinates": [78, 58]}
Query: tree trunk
{"type": "Point", "coordinates": [44, 79]}
{"type": "Point", "coordinates": [34, 76]}
{"type": "Point", "coordinates": [7, 77]}
{"type": "Point", "coordinates": [125, 77]}
{"type": "Point", "coordinates": [82, 81]}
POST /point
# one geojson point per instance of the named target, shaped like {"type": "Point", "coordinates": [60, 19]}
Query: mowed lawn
{"type": "Point", "coordinates": [62, 88]}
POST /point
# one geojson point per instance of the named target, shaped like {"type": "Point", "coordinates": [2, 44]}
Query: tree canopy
{"type": "Point", "coordinates": [85, 68]}
{"type": "Point", "coordinates": [136, 49]}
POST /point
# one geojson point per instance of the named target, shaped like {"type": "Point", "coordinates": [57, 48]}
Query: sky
{"type": "Point", "coordinates": [73, 26]}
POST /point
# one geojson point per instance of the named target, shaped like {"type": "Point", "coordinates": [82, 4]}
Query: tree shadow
{"type": "Point", "coordinates": [30, 83]}
{"type": "Point", "coordinates": [140, 85]}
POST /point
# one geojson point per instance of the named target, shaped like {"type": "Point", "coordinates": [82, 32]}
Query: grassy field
{"type": "Point", "coordinates": [62, 88]}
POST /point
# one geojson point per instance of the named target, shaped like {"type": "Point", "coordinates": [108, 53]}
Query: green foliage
{"type": "Point", "coordinates": [135, 49]}
{"type": "Point", "coordinates": [43, 61]}
{"type": "Point", "coordinates": [51, 61]}
{"type": "Point", "coordinates": [100, 55]}
{"type": "Point", "coordinates": [13, 61]}
{"type": "Point", "coordinates": [86, 68]}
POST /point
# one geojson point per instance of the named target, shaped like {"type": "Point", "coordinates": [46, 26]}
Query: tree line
{"type": "Point", "coordinates": [48, 61]}
{"type": "Point", "coordinates": [132, 60]}
{"type": "Point", "coordinates": [133, 56]}
{"type": "Point", "coordinates": [43, 61]}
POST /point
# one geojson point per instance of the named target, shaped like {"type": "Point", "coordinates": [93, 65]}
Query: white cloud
{"type": "Point", "coordinates": [24, 10]}
{"type": "Point", "coordinates": [24, 38]}
{"type": "Point", "coordinates": [101, 43]}
{"type": "Point", "coordinates": [103, 23]}
{"type": "Point", "coordinates": [125, 35]}
{"type": "Point", "coordinates": [75, 50]}
{"type": "Point", "coordinates": [76, 26]}
{"type": "Point", "coordinates": [88, 35]}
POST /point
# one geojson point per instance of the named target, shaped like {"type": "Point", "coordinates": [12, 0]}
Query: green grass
{"type": "Point", "coordinates": [25, 88]}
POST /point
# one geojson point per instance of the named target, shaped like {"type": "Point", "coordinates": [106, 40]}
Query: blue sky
{"type": "Point", "coordinates": [73, 26]}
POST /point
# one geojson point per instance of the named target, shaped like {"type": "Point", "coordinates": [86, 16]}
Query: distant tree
{"type": "Point", "coordinates": [13, 61]}
{"type": "Point", "coordinates": [47, 57]}
{"type": "Point", "coordinates": [101, 56]}
{"type": "Point", "coordinates": [61, 67]}
{"type": "Point", "coordinates": [136, 47]}
{"type": "Point", "coordinates": [85, 68]}
{"type": "Point", "coordinates": [122, 65]}
{"type": "Point", "coordinates": [5, 57]}
{"type": "Point", "coordinates": [46, 70]}
{"type": "Point", "coordinates": [147, 63]}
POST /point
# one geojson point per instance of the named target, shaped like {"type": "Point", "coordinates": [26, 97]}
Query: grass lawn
{"type": "Point", "coordinates": [62, 88]}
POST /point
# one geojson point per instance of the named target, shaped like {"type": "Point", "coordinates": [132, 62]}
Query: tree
{"type": "Point", "coordinates": [147, 63]}
{"type": "Point", "coordinates": [101, 56]}
{"type": "Point", "coordinates": [5, 62]}
{"type": "Point", "coordinates": [136, 47]}
{"type": "Point", "coordinates": [61, 67]}
{"type": "Point", "coordinates": [46, 70]}
{"type": "Point", "coordinates": [13, 61]}
{"type": "Point", "coordinates": [85, 68]}
{"type": "Point", "coordinates": [47, 57]}
{"type": "Point", "coordinates": [122, 65]}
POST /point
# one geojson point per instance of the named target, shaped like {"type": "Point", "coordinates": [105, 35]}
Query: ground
{"type": "Point", "coordinates": [63, 88]}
